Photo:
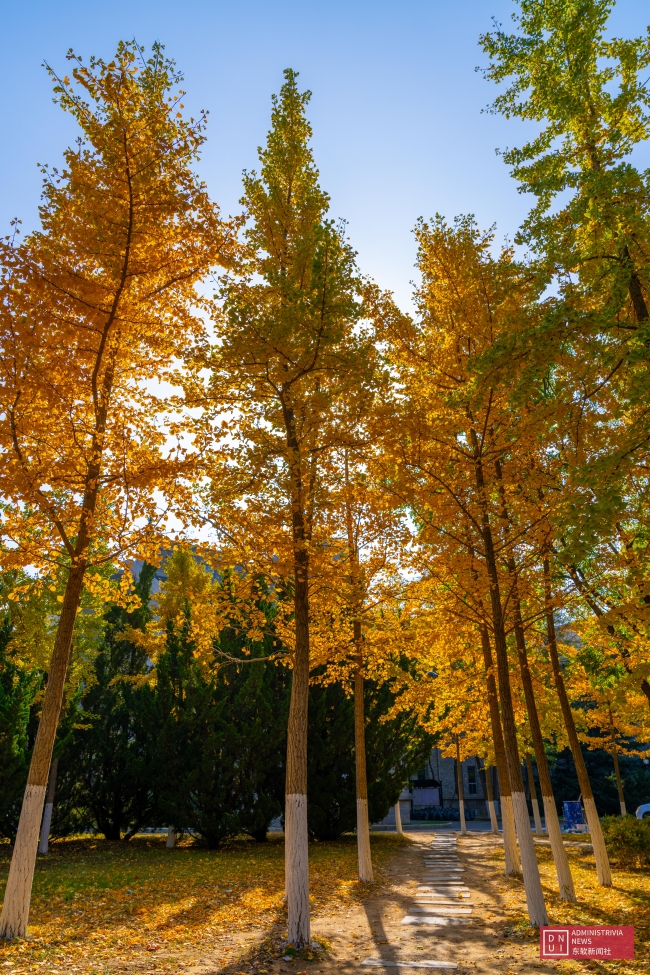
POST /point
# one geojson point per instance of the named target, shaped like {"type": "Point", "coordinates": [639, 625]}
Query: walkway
{"type": "Point", "coordinates": [443, 911]}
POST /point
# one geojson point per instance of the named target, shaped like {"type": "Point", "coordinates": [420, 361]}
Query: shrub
{"type": "Point", "coordinates": [628, 840]}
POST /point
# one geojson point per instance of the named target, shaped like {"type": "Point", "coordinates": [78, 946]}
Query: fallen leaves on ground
{"type": "Point", "coordinates": [98, 906]}
{"type": "Point", "coordinates": [626, 902]}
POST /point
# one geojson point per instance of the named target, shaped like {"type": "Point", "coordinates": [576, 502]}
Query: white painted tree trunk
{"type": "Point", "coordinates": [459, 786]}
{"type": "Point", "coordinates": [363, 841]}
{"type": "Point", "coordinates": [398, 818]}
{"type": "Point", "coordinates": [529, 866]}
{"type": "Point", "coordinates": [44, 841]}
{"type": "Point", "coordinates": [510, 848]}
{"type": "Point", "coordinates": [531, 777]}
{"type": "Point", "coordinates": [603, 871]}
{"type": "Point", "coordinates": [623, 809]}
{"type": "Point", "coordinates": [15, 909]}
{"type": "Point", "coordinates": [364, 855]}
{"type": "Point", "coordinates": [562, 868]}
{"type": "Point", "coordinates": [536, 816]}
{"type": "Point", "coordinates": [296, 837]}
{"type": "Point", "coordinates": [171, 838]}
{"type": "Point", "coordinates": [493, 817]}
{"type": "Point", "coordinates": [490, 800]}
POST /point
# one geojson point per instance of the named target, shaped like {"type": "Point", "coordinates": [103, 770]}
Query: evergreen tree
{"type": "Point", "coordinates": [18, 688]}
{"type": "Point", "coordinates": [221, 743]}
{"type": "Point", "coordinates": [112, 743]}
{"type": "Point", "coordinates": [395, 749]}
{"type": "Point", "coordinates": [331, 808]}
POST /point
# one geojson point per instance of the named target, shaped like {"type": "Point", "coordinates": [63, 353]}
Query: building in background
{"type": "Point", "coordinates": [432, 794]}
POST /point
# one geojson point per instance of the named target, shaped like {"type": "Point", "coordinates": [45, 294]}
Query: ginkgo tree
{"type": "Point", "coordinates": [368, 536]}
{"type": "Point", "coordinates": [587, 94]}
{"type": "Point", "coordinates": [96, 309]}
{"type": "Point", "coordinates": [291, 379]}
{"type": "Point", "coordinates": [445, 436]}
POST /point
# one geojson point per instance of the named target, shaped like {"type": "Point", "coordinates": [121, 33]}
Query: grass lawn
{"type": "Point", "coordinates": [98, 904]}
{"type": "Point", "coordinates": [627, 902]}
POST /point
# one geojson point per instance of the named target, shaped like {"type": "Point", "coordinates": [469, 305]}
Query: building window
{"type": "Point", "coordinates": [471, 780]}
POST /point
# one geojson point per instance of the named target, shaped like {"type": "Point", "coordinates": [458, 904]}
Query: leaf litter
{"type": "Point", "coordinates": [101, 907]}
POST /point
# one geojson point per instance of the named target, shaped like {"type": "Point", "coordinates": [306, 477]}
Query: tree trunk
{"type": "Point", "coordinates": [398, 818]}
{"type": "Point", "coordinates": [513, 863]}
{"type": "Point", "coordinates": [493, 816]}
{"type": "Point", "coordinates": [296, 832]}
{"type": "Point", "coordinates": [171, 837]}
{"type": "Point", "coordinates": [530, 868]}
{"type": "Point", "coordinates": [295, 811]}
{"type": "Point", "coordinates": [459, 781]}
{"type": "Point", "coordinates": [49, 807]}
{"type": "Point", "coordinates": [560, 858]}
{"type": "Point", "coordinates": [598, 842]}
{"type": "Point", "coordinates": [533, 795]}
{"type": "Point", "coordinates": [617, 771]}
{"type": "Point", "coordinates": [634, 286]}
{"type": "Point", "coordinates": [15, 909]}
{"type": "Point", "coordinates": [619, 783]}
{"type": "Point", "coordinates": [363, 825]}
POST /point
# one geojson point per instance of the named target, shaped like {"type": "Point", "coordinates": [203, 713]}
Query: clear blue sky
{"type": "Point", "coordinates": [396, 107]}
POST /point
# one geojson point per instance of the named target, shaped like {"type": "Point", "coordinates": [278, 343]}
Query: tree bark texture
{"type": "Point", "coordinates": [513, 863]}
{"type": "Point", "coordinates": [44, 841]}
{"type": "Point", "coordinates": [296, 835]}
{"type": "Point", "coordinates": [15, 908]}
{"type": "Point", "coordinates": [598, 842]}
{"type": "Point", "coordinates": [295, 829]}
{"type": "Point", "coordinates": [363, 825]}
{"type": "Point", "coordinates": [297, 868]}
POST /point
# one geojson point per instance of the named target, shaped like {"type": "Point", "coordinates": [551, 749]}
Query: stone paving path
{"type": "Point", "coordinates": [440, 900]}
{"type": "Point", "coordinates": [443, 909]}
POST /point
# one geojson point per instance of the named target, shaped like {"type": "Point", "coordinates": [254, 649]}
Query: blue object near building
{"type": "Point", "coordinates": [573, 815]}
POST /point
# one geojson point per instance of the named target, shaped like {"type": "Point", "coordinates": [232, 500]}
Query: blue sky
{"type": "Point", "coordinates": [396, 107]}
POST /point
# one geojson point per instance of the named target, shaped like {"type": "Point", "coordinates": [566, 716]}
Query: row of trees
{"type": "Point", "coordinates": [464, 488]}
{"type": "Point", "coordinates": [205, 748]}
